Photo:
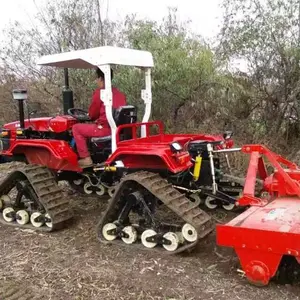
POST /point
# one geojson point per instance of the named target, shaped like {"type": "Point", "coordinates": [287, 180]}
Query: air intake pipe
{"type": "Point", "coordinates": [67, 94]}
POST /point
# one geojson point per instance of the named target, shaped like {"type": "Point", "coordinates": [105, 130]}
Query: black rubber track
{"type": "Point", "coordinates": [47, 194]}
{"type": "Point", "coordinates": [173, 199]}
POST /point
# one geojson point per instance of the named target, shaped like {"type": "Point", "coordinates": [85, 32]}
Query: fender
{"type": "Point", "coordinates": [55, 154]}
{"type": "Point", "coordinates": [147, 158]}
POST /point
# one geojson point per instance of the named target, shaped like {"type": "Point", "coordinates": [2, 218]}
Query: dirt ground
{"type": "Point", "coordinates": [72, 264]}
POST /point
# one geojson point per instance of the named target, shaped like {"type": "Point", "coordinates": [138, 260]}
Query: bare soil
{"type": "Point", "coordinates": [72, 264]}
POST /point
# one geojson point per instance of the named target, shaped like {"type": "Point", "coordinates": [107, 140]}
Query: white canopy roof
{"type": "Point", "coordinates": [89, 58]}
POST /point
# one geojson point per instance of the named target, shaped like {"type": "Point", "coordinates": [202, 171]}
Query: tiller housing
{"type": "Point", "coordinates": [266, 237]}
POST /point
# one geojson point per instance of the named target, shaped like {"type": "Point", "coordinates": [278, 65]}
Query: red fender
{"type": "Point", "coordinates": [57, 155]}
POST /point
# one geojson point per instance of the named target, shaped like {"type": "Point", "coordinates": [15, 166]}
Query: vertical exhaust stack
{"type": "Point", "coordinates": [20, 95]}
{"type": "Point", "coordinates": [67, 94]}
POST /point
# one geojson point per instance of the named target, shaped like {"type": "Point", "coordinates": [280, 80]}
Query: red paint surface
{"type": "Point", "coordinates": [268, 229]}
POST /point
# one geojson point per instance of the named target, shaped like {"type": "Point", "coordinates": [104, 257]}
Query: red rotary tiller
{"type": "Point", "coordinates": [266, 237]}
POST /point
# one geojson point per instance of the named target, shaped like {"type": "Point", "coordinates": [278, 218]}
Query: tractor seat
{"type": "Point", "coordinates": [102, 139]}
{"type": "Point", "coordinates": [122, 115]}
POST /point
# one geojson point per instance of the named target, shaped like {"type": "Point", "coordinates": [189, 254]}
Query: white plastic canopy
{"type": "Point", "coordinates": [107, 55]}
{"type": "Point", "coordinates": [103, 58]}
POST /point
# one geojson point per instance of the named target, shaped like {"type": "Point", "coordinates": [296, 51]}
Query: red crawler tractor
{"type": "Point", "coordinates": [153, 166]}
{"type": "Point", "coordinates": [266, 237]}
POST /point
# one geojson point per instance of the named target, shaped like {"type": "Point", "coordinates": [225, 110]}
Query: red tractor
{"type": "Point", "coordinates": [157, 170]}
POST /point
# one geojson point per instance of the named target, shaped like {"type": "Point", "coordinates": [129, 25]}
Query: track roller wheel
{"type": "Point", "coordinates": [78, 181]}
{"type": "Point", "coordinates": [86, 189]}
{"type": "Point", "coordinates": [173, 239]}
{"type": "Point", "coordinates": [147, 234]}
{"type": "Point", "coordinates": [111, 191]}
{"type": "Point", "coordinates": [48, 221]}
{"type": "Point", "coordinates": [22, 217]}
{"type": "Point", "coordinates": [108, 231]}
{"type": "Point", "coordinates": [189, 233]}
{"type": "Point", "coordinates": [34, 222]}
{"type": "Point", "coordinates": [195, 198]}
{"type": "Point", "coordinates": [229, 206]}
{"type": "Point", "coordinates": [4, 199]}
{"type": "Point", "coordinates": [210, 202]}
{"type": "Point", "coordinates": [8, 214]}
{"type": "Point", "coordinates": [101, 190]}
{"type": "Point", "coordinates": [131, 233]}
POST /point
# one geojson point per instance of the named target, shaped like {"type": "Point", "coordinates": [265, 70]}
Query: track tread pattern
{"type": "Point", "coordinates": [48, 193]}
{"type": "Point", "coordinates": [172, 198]}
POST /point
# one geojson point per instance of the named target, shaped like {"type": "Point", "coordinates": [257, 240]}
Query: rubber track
{"type": "Point", "coordinates": [48, 193]}
{"type": "Point", "coordinates": [172, 198]}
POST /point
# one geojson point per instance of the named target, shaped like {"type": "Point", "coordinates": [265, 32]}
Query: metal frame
{"type": "Point", "coordinates": [103, 58]}
{"type": "Point", "coordinates": [269, 229]}
{"type": "Point", "coordinates": [106, 97]}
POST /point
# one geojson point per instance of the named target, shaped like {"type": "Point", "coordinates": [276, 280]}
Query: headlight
{"type": "Point", "coordinates": [175, 147]}
{"type": "Point", "coordinates": [227, 135]}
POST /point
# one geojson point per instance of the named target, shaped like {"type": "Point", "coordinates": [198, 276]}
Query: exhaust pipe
{"type": "Point", "coordinates": [20, 95]}
{"type": "Point", "coordinates": [67, 94]}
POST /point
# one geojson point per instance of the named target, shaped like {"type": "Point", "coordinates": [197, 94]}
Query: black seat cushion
{"type": "Point", "coordinates": [101, 139]}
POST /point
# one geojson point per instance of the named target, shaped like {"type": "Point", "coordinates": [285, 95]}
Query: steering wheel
{"type": "Point", "coordinates": [79, 114]}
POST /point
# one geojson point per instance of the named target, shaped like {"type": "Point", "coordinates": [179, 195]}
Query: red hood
{"type": "Point", "coordinates": [54, 124]}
